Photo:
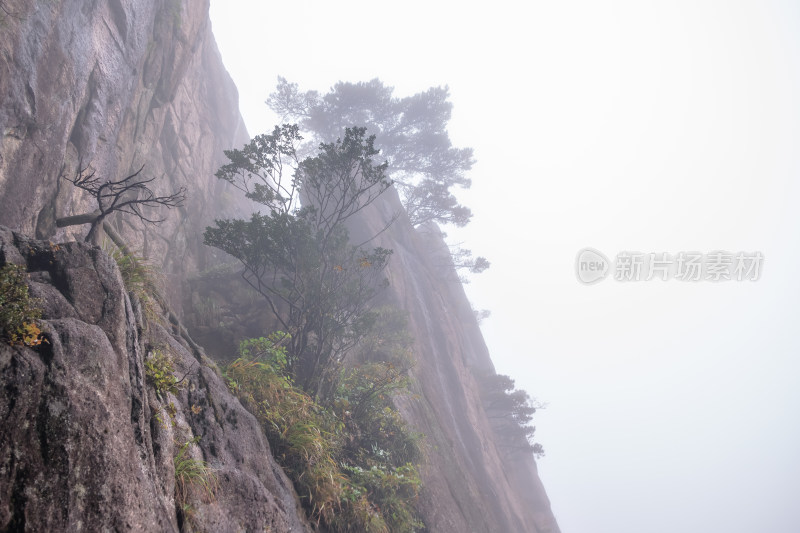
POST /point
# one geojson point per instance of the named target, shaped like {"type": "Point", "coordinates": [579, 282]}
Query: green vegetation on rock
{"type": "Point", "coordinates": [317, 284]}
{"type": "Point", "coordinates": [352, 460]}
{"type": "Point", "coordinates": [191, 472]}
{"type": "Point", "coordinates": [510, 411]}
{"type": "Point", "coordinates": [18, 311]}
{"type": "Point", "coordinates": [141, 278]}
{"type": "Point", "coordinates": [160, 371]}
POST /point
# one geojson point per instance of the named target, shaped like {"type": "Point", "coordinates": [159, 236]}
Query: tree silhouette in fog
{"type": "Point", "coordinates": [411, 133]}
{"type": "Point", "coordinates": [510, 412]}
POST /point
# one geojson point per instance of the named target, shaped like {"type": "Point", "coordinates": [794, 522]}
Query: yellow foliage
{"type": "Point", "coordinates": [28, 334]}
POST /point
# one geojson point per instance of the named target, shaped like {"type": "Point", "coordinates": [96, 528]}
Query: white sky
{"type": "Point", "coordinates": [648, 126]}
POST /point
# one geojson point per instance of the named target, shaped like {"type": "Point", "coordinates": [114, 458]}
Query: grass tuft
{"type": "Point", "coordinates": [191, 472]}
{"type": "Point", "coordinates": [351, 461]}
{"type": "Point", "coordinates": [141, 278]}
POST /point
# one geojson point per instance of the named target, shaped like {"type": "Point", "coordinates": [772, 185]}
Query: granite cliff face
{"type": "Point", "coordinates": [115, 84]}
{"type": "Point", "coordinates": [471, 482]}
{"type": "Point", "coordinates": [120, 84]}
{"type": "Point", "coordinates": [87, 445]}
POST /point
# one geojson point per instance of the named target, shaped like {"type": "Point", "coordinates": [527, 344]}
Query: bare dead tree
{"type": "Point", "coordinates": [128, 195]}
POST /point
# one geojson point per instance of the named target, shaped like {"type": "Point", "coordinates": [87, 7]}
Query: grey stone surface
{"type": "Point", "coordinates": [88, 445]}
{"type": "Point", "coordinates": [116, 84]}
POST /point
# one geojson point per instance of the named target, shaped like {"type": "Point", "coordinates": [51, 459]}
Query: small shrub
{"type": "Point", "coordinates": [270, 350]}
{"type": "Point", "coordinates": [392, 490]}
{"type": "Point", "coordinates": [160, 371]}
{"type": "Point", "coordinates": [18, 311]}
{"type": "Point", "coordinates": [364, 400]}
{"type": "Point", "coordinates": [140, 278]}
{"type": "Point", "coordinates": [192, 472]}
{"type": "Point", "coordinates": [359, 514]}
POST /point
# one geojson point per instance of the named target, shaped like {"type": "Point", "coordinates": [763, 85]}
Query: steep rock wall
{"type": "Point", "coordinates": [115, 84]}
{"type": "Point", "coordinates": [88, 445]}
{"type": "Point", "coordinates": [471, 482]}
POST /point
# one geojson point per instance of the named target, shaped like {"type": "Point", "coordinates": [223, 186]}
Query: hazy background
{"type": "Point", "coordinates": [648, 126]}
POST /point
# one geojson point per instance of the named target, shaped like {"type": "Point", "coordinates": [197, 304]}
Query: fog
{"type": "Point", "coordinates": [621, 126]}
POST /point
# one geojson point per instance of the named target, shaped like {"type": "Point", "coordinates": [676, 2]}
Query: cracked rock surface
{"type": "Point", "coordinates": [88, 445]}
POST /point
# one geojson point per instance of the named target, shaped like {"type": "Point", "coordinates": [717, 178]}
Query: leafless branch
{"type": "Point", "coordinates": [128, 195]}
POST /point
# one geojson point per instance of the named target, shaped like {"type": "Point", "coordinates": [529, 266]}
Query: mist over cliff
{"type": "Point", "coordinates": [124, 85]}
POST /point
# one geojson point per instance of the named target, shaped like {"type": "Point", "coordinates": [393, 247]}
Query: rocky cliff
{"type": "Point", "coordinates": [471, 482]}
{"type": "Point", "coordinates": [116, 85]}
{"type": "Point", "coordinates": [88, 445]}
{"type": "Point", "coordinates": [119, 84]}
